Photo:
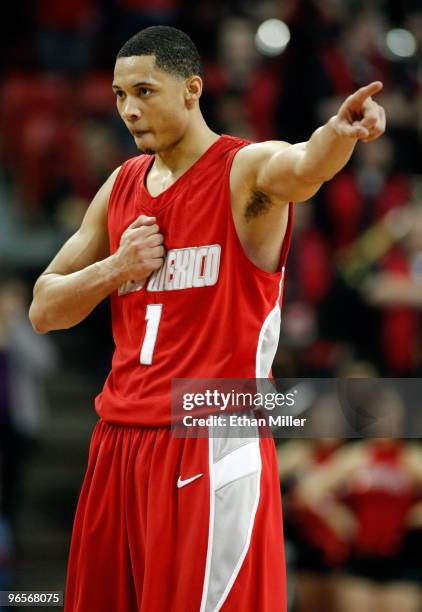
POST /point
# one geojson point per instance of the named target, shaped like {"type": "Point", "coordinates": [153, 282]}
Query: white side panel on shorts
{"type": "Point", "coordinates": [234, 489]}
{"type": "Point", "coordinates": [210, 527]}
{"type": "Point", "coordinates": [237, 464]}
{"type": "Point", "coordinates": [268, 338]}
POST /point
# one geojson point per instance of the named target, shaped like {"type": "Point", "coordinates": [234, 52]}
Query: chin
{"type": "Point", "coordinates": [143, 147]}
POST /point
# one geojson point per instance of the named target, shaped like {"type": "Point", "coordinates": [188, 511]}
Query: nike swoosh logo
{"type": "Point", "coordinates": [182, 483]}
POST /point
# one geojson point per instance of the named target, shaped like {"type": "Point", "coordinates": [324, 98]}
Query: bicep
{"type": "Point", "coordinates": [250, 162]}
{"type": "Point", "coordinates": [282, 174]}
{"type": "Point", "coordinates": [90, 243]}
{"type": "Point", "coordinates": [274, 167]}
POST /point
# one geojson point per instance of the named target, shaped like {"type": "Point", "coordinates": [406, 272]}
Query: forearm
{"type": "Point", "coordinates": [330, 147]}
{"type": "Point", "coordinates": [295, 173]}
{"type": "Point", "coordinates": [324, 154]}
{"type": "Point", "coordinates": [62, 301]}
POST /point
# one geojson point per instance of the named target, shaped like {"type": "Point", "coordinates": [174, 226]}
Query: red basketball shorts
{"type": "Point", "coordinates": [177, 525]}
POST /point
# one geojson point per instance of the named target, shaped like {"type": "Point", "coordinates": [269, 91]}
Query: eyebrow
{"type": "Point", "coordinates": [141, 84]}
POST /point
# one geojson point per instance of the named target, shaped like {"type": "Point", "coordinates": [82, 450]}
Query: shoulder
{"type": "Point", "coordinates": [96, 214]}
{"type": "Point", "coordinates": [249, 160]}
{"type": "Point", "coordinates": [113, 176]}
{"type": "Point", "coordinates": [245, 184]}
{"type": "Point", "coordinates": [131, 166]}
{"type": "Point", "coordinates": [103, 195]}
{"type": "Point", "coordinates": [136, 161]}
{"type": "Point", "coordinates": [124, 175]}
{"type": "Point", "coordinates": [257, 152]}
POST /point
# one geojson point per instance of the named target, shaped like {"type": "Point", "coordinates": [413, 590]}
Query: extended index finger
{"type": "Point", "coordinates": [365, 92]}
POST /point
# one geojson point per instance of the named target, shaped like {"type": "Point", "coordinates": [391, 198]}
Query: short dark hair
{"type": "Point", "coordinates": [174, 50]}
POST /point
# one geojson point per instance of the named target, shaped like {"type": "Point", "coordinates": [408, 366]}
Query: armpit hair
{"type": "Point", "coordinates": [258, 204]}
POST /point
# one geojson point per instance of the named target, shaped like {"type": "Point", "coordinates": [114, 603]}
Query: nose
{"type": "Point", "coordinates": [130, 111]}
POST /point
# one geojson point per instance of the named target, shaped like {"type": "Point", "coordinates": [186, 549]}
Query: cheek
{"type": "Point", "coordinates": [119, 107]}
{"type": "Point", "coordinates": [173, 117]}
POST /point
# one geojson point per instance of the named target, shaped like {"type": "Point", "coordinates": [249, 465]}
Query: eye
{"type": "Point", "coordinates": [118, 93]}
{"type": "Point", "coordinates": [145, 91]}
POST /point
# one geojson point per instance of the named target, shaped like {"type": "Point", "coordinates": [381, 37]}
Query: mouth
{"type": "Point", "coordinates": [138, 133]}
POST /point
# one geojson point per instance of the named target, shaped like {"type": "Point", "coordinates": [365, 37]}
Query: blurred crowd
{"type": "Point", "coordinates": [353, 507]}
{"type": "Point", "coordinates": [353, 524]}
{"type": "Point", "coordinates": [25, 359]}
{"type": "Point", "coordinates": [354, 277]}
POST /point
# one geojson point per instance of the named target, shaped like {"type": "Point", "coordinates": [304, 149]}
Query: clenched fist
{"type": "Point", "coordinates": [141, 250]}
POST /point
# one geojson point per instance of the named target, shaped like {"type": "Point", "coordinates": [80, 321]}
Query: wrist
{"type": "Point", "coordinates": [110, 271]}
{"type": "Point", "coordinates": [332, 124]}
{"type": "Point", "coordinates": [335, 125]}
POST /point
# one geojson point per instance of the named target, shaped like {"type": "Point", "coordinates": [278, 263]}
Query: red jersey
{"type": "Point", "coordinates": [312, 527]}
{"type": "Point", "coordinates": [209, 312]}
{"type": "Point", "coordinates": [381, 495]}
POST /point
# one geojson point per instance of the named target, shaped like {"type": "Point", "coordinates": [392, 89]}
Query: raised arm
{"type": "Point", "coordinates": [267, 175]}
{"type": "Point", "coordinates": [83, 272]}
{"type": "Point", "coordinates": [296, 172]}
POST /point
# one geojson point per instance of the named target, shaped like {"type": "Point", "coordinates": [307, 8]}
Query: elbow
{"type": "Point", "coordinates": [307, 186]}
{"type": "Point", "coordinates": [43, 321]}
{"type": "Point", "coordinates": [37, 320]}
{"type": "Point", "coordinates": [305, 193]}
{"type": "Point", "coordinates": [37, 310]}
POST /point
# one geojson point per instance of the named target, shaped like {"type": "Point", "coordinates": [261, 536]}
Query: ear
{"type": "Point", "coordinates": [193, 90]}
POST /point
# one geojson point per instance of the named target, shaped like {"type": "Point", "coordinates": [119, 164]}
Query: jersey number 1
{"type": "Point", "coordinates": [152, 317]}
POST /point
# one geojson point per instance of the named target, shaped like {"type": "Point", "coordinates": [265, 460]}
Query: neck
{"type": "Point", "coordinates": [194, 142]}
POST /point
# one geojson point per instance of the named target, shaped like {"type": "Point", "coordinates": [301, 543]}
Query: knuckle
{"type": "Point", "coordinates": [151, 242]}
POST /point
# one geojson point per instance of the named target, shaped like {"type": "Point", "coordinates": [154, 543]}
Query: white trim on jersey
{"type": "Point", "coordinates": [268, 337]}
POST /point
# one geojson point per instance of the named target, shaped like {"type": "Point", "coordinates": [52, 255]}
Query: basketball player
{"type": "Point", "coordinates": [190, 240]}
